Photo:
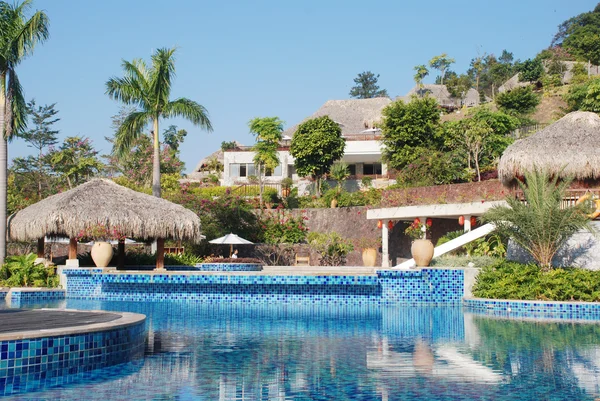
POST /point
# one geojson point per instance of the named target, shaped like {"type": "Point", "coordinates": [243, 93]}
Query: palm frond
{"type": "Point", "coordinates": [34, 30]}
{"type": "Point", "coordinates": [128, 91]}
{"type": "Point", "coordinates": [16, 107]}
{"type": "Point", "coordinates": [190, 110]}
{"type": "Point", "coordinates": [161, 76]}
{"type": "Point", "coordinates": [129, 131]}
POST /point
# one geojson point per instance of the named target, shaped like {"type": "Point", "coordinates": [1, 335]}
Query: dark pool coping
{"type": "Point", "coordinates": [125, 319]}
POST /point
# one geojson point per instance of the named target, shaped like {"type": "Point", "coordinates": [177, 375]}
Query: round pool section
{"type": "Point", "coordinates": [50, 347]}
{"type": "Point", "coordinates": [230, 267]}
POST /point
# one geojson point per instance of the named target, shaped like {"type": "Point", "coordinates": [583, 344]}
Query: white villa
{"type": "Point", "coordinates": [356, 117]}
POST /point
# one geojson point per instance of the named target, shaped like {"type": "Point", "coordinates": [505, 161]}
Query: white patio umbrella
{"type": "Point", "coordinates": [232, 240]}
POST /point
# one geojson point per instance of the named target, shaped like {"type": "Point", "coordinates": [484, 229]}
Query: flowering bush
{"type": "Point", "coordinates": [100, 232]}
{"type": "Point", "coordinates": [282, 227]}
{"type": "Point", "coordinates": [415, 230]}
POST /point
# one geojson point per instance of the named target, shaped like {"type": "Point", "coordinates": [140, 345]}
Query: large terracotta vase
{"type": "Point", "coordinates": [102, 253]}
{"type": "Point", "coordinates": [369, 256]}
{"type": "Point", "coordinates": [422, 252]}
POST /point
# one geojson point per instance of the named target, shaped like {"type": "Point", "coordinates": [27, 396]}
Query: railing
{"type": "Point", "coordinates": [254, 189]}
{"type": "Point", "coordinates": [527, 130]}
{"type": "Point", "coordinates": [571, 196]}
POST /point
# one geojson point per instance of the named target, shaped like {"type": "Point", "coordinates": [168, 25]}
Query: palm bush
{"type": "Point", "coordinates": [22, 271]}
{"type": "Point", "coordinates": [539, 225]}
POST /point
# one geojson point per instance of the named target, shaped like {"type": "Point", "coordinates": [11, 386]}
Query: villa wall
{"type": "Point", "coordinates": [422, 286]}
{"type": "Point", "coordinates": [582, 250]}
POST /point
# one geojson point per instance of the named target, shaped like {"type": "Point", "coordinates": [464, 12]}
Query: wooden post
{"type": "Point", "coordinates": [40, 248]}
{"type": "Point", "coordinates": [121, 259]}
{"type": "Point", "coordinates": [73, 248]}
{"type": "Point", "coordinates": [160, 253]}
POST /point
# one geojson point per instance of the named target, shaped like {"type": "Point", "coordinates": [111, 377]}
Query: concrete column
{"type": "Point", "coordinates": [385, 255]}
{"type": "Point", "coordinates": [424, 227]}
{"type": "Point", "coordinates": [467, 225]}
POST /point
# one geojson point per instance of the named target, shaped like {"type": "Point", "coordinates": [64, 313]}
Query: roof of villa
{"type": "Point", "coordinates": [353, 115]}
{"type": "Point", "coordinates": [570, 148]}
{"type": "Point", "coordinates": [441, 94]}
{"type": "Point", "coordinates": [101, 201]}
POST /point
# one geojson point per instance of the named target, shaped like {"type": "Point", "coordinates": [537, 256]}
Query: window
{"type": "Point", "coordinates": [234, 170]}
{"type": "Point", "coordinates": [372, 169]}
{"type": "Point", "coordinates": [352, 169]}
{"type": "Point", "coordinates": [277, 172]}
{"type": "Point", "coordinates": [241, 169]}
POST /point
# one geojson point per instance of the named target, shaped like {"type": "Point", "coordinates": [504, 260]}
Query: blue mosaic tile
{"type": "Point", "coordinates": [428, 286]}
{"type": "Point", "coordinates": [229, 267]}
{"type": "Point", "coordinates": [29, 364]}
{"type": "Point", "coordinates": [542, 309]}
{"type": "Point", "coordinates": [17, 296]}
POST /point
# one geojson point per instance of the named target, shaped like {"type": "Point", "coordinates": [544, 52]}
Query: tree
{"type": "Point", "coordinates": [441, 63]}
{"type": "Point", "coordinates": [518, 101]}
{"type": "Point", "coordinates": [316, 144]}
{"type": "Point", "coordinates": [421, 72]}
{"type": "Point", "coordinates": [149, 88]}
{"type": "Point", "coordinates": [585, 97]}
{"type": "Point", "coordinates": [458, 86]}
{"type": "Point", "coordinates": [478, 67]}
{"type": "Point", "coordinates": [366, 86]}
{"type": "Point", "coordinates": [531, 70]}
{"type": "Point", "coordinates": [18, 38]}
{"type": "Point", "coordinates": [42, 135]}
{"type": "Point", "coordinates": [76, 160]}
{"type": "Point", "coordinates": [408, 127]}
{"type": "Point", "coordinates": [506, 57]}
{"type": "Point", "coordinates": [580, 36]}
{"type": "Point", "coordinates": [174, 137]}
{"type": "Point", "coordinates": [475, 134]}
{"type": "Point", "coordinates": [267, 131]}
{"type": "Point", "coordinates": [540, 225]}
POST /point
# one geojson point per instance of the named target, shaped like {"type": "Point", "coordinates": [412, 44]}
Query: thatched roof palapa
{"type": "Point", "coordinates": [353, 115]}
{"type": "Point", "coordinates": [101, 201]}
{"type": "Point", "coordinates": [568, 148]}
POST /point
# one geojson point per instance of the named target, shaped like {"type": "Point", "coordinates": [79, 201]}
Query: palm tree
{"type": "Point", "coordinates": [149, 89]}
{"type": "Point", "coordinates": [18, 37]}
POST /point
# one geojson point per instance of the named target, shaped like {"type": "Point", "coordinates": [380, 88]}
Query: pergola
{"type": "Point", "coordinates": [101, 201]}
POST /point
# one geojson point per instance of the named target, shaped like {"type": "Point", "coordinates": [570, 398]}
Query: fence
{"type": "Point", "coordinates": [571, 196]}
{"type": "Point", "coordinates": [527, 130]}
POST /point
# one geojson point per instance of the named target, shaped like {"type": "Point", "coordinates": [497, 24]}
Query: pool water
{"type": "Point", "coordinates": [325, 352]}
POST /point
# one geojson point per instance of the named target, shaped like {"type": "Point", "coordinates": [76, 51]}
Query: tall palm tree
{"type": "Point", "coordinates": [148, 89]}
{"type": "Point", "coordinates": [18, 37]}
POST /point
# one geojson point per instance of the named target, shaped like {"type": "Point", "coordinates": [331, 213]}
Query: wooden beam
{"type": "Point", "coordinates": [121, 258]}
{"type": "Point", "coordinates": [40, 248]}
{"type": "Point", "coordinates": [160, 253]}
{"type": "Point", "coordinates": [73, 248]}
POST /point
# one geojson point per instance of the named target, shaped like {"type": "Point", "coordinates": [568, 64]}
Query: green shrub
{"type": "Point", "coordinates": [512, 280]}
{"type": "Point", "coordinates": [520, 100]}
{"type": "Point", "coordinates": [22, 271]}
{"type": "Point", "coordinates": [332, 248]}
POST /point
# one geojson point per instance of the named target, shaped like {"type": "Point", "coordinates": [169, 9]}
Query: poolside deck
{"type": "Point", "coordinates": [35, 323]}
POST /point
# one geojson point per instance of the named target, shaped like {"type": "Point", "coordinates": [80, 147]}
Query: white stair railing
{"type": "Point", "coordinates": [453, 244]}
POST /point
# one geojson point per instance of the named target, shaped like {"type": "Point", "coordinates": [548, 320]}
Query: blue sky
{"type": "Point", "coordinates": [246, 59]}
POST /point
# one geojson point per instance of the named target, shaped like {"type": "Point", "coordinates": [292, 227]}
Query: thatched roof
{"type": "Point", "coordinates": [101, 201]}
{"type": "Point", "coordinates": [569, 147]}
{"type": "Point", "coordinates": [353, 115]}
{"type": "Point", "coordinates": [441, 94]}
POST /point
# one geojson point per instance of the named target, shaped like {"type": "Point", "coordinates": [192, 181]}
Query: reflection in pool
{"type": "Point", "coordinates": [325, 352]}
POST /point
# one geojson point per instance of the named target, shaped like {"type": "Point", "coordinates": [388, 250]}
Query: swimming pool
{"type": "Point", "coordinates": [224, 351]}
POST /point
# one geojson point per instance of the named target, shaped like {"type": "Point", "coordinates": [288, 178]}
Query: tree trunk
{"type": "Point", "coordinates": [40, 175]}
{"type": "Point", "coordinates": [3, 169]}
{"type": "Point", "coordinates": [156, 162]}
{"type": "Point", "coordinates": [260, 185]}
